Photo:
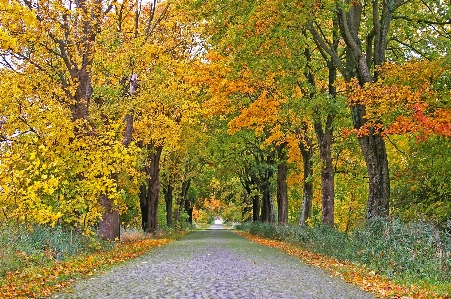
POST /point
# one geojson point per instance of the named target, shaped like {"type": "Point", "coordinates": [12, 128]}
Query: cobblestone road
{"type": "Point", "coordinates": [214, 263]}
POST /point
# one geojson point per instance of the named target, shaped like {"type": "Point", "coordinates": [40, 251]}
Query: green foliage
{"type": "Point", "coordinates": [422, 185]}
{"type": "Point", "coordinates": [415, 251]}
{"type": "Point", "coordinates": [24, 246]}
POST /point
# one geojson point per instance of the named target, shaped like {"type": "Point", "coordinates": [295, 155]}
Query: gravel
{"type": "Point", "coordinates": [214, 263]}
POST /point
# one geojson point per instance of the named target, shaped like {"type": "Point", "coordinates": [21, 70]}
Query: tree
{"type": "Point", "coordinates": [350, 18]}
{"type": "Point", "coordinates": [272, 52]}
{"type": "Point", "coordinates": [159, 43]}
{"type": "Point", "coordinates": [92, 95]}
{"type": "Point", "coordinates": [62, 57]}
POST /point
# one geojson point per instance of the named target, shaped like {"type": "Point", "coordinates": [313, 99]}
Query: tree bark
{"type": "Point", "coordinates": [143, 205]}
{"type": "Point", "coordinates": [109, 226]}
{"type": "Point", "coordinates": [185, 201]}
{"type": "Point", "coordinates": [306, 148]}
{"type": "Point", "coordinates": [372, 144]}
{"type": "Point", "coordinates": [248, 182]}
{"type": "Point", "coordinates": [325, 137]}
{"type": "Point", "coordinates": [177, 210]}
{"type": "Point", "coordinates": [267, 203]}
{"type": "Point", "coordinates": [150, 191]}
{"type": "Point", "coordinates": [255, 208]}
{"type": "Point", "coordinates": [327, 172]}
{"type": "Point", "coordinates": [168, 197]}
{"type": "Point", "coordinates": [153, 188]}
{"type": "Point", "coordinates": [247, 211]}
{"type": "Point", "coordinates": [282, 196]}
{"type": "Point", "coordinates": [272, 214]}
{"type": "Point", "coordinates": [375, 154]}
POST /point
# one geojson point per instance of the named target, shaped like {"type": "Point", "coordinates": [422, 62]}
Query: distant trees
{"type": "Point", "coordinates": [105, 107]}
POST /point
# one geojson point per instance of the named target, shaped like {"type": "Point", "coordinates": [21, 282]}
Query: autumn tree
{"type": "Point", "coordinates": [90, 148]}
{"type": "Point", "coordinates": [365, 29]}
{"type": "Point", "coordinates": [55, 46]}
{"type": "Point", "coordinates": [381, 34]}
{"type": "Point", "coordinates": [183, 163]}
{"type": "Point", "coordinates": [409, 104]}
{"type": "Point", "coordinates": [271, 45]}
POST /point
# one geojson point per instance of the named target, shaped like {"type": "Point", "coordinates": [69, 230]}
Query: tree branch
{"type": "Point", "coordinates": [411, 48]}
{"type": "Point", "coordinates": [322, 44]}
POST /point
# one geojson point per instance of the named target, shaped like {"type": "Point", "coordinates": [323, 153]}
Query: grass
{"type": "Point", "coordinates": [407, 253]}
{"type": "Point", "coordinates": [25, 246]}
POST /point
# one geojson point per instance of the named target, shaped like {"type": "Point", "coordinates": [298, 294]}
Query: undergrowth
{"type": "Point", "coordinates": [40, 245]}
{"type": "Point", "coordinates": [416, 252]}
{"type": "Point", "coordinates": [25, 246]}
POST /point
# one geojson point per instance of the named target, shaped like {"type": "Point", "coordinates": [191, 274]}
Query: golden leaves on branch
{"type": "Point", "coordinates": [64, 181]}
{"type": "Point", "coordinates": [263, 111]}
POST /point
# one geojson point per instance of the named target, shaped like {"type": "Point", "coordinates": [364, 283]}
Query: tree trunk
{"type": "Point", "coordinates": [177, 211]}
{"type": "Point", "coordinates": [327, 171]}
{"type": "Point", "coordinates": [153, 195]}
{"type": "Point", "coordinates": [267, 203]}
{"type": "Point", "coordinates": [168, 199]}
{"type": "Point", "coordinates": [109, 226]}
{"type": "Point", "coordinates": [153, 188]}
{"type": "Point", "coordinates": [247, 211]}
{"type": "Point", "coordinates": [372, 144]}
{"type": "Point", "coordinates": [185, 201]}
{"type": "Point", "coordinates": [375, 154]}
{"type": "Point", "coordinates": [272, 214]}
{"type": "Point", "coordinates": [150, 191]}
{"type": "Point", "coordinates": [143, 205]}
{"type": "Point", "coordinates": [189, 209]}
{"type": "Point", "coordinates": [255, 208]}
{"type": "Point", "coordinates": [282, 197]}
{"type": "Point", "coordinates": [307, 200]}
{"type": "Point", "coordinates": [324, 137]}
{"type": "Point", "coordinates": [248, 182]}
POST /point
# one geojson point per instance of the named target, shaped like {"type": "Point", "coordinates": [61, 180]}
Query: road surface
{"type": "Point", "coordinates": [214, 263]}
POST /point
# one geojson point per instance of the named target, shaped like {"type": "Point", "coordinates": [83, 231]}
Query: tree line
{"type": "Point", "coordinates": [108, 106]}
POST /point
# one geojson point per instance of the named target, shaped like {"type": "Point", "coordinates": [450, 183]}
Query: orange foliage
{"type": "Point", "coordinates": [264, 110]}
{"type": "Point", "coordinates": [407, 99]}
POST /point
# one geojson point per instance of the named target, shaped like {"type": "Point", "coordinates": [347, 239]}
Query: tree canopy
{"type": "Point", "coordinates": [332, 112]}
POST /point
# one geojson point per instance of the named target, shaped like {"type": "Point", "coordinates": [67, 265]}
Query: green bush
{"type": "Point", "coordinates": [415, 251]}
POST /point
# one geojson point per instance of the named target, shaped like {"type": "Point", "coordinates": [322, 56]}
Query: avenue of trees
{"type": "Point", "coordinates": [157, 113]}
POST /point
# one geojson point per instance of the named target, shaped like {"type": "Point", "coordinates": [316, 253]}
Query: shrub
{"type": "Point", "coordinates": [23, 246]}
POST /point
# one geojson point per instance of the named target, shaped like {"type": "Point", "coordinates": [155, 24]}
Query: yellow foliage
{"type": "Point", "coordinates": [55, 166]}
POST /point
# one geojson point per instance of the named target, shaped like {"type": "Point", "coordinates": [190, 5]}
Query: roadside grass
{"type": "Point", "coordinates": [38, 261]}
{"type": "Point", "coordinates": [391, 258]}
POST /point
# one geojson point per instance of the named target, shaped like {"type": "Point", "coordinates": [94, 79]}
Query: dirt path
{"type": "Point", "coordinates": [214, 263]}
